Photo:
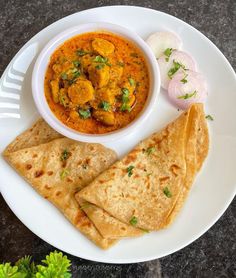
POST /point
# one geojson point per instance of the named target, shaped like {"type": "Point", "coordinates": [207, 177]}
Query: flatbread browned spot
{"type": "Point", "coordinates": [155, 201]}
{"type": "Point", "coordinates": [44, 175]}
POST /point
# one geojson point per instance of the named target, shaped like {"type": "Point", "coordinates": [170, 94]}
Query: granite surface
{"type": "Point", "coordinates": [212, 255]}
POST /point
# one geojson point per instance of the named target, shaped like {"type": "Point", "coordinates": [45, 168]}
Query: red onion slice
{"type": "Point", "coordinates": [186, 88]}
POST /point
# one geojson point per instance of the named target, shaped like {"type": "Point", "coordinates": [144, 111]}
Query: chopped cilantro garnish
{"type": "Point", "coordinates": [64, 76]}
{"type": "Point", "coordinates": [125, 99]}
{"type": "Point", "coordinates": [105, 105]}
{"type": "Point", "coordinates": [167, 192]}
{"type": "Point", "coordinates": [167, 53]}
{"type": "Point", "coordinates": [81, 52]}
{"type": "Point", "coordinates": [131, 81]}
{"type": "Point", "coordinates": [130, 170]}
{"type": "Point", "coordinates": [184, 80]}
{"type": "Point", "coordinates": [175, 68]}
{"type": "Point", "coordinates": [76, 63]}
{"type": "Point", "coordinates": [187, 96]}
{"type": "Point", "coordinates": [125, 107]}
{"type": "Point", "coordinates": [100, 66]}
{"type": "Point", "coordinates": [64, 173]}
{"type": "Point", "coordinates": [84, 114]}
{"type": "Point", "coordinates": [133, 221]}
{"type": "Point", "coordinates": [150, 150]}
{"type": "Point", "coordinates": [64, 155]}
{"type": "Point", "coordinates": [209, 117]}
{"type": "Point", "coordinates": [100, 59]}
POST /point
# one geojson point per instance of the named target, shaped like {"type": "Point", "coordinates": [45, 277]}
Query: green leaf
{"type": "Point", "coordinates": [84, 114]}
{"type": "Point", "coordinates": [100, 59]}
{"type": "Point", "coordinates": [167, 192]}
{"type": "Point", "coordinates": [187, 96]}
{"type": "Point", "coordinates": [130, 170]}
{"type": "Point", "coordinates": [64, 76]}
{"type": "Point", "coordinates": [55, 265]}
{"type": "Point", "coordinates": [8, 271]}
{"type": "Point", "coordinates": [81, 52]}
{"type": "Point", "coordinates": [64, 173]}
{"type": "Point", "coordinates": [184, 80]}
{"type": "Point", "coordinates": [131, 81]}
{"type": "Point", "coordinates": [100, 66]}
{"type": "Point", "coordinates": [26, 266]}
{"type": "Point", "coordinates": [64, 155]}
{"type": "Point", "coordinates": [105, 105]}
{"type": "Point", "coordinates": [133, 221]}
{"type": "Point", "coordinates": [209, 117]}
{"type": "Point", "coordinates": [125, 107]}
{"type": "Point", "coordinates": [150, 150]}
{"type": "Point", "coordinates": [167, 53]}
{"type": "Point", "coordinates": [175, 68]}
{"type": "Point", "coordinates": [76, 63]}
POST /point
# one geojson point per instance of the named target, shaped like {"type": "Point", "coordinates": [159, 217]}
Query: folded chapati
{"type": "Point", "coordinates": [148, 186]}
{"type": "Point", "coordinates": [57, 167]}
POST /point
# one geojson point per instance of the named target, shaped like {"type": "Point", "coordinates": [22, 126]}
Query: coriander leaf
{"type": "Point", "coordinates": [175, 68]}
{"type": "Point", "coordinates": [76, 63]}
{"type": "Point", "coordinates": [84, 114]}
{"type": "Point", "coordinates": [167, 53]}
{"type": "Point", "coordinates": [209, 117]}
{"type": "Point", "coordinates": [187, 96]}
{"type": "Point", "coordinates": [64, 155]}
{"type": "Point", "coordinates": [81, 52]}
{"type": "Point", "coordinates": [131, 81]}
{"type": "Point", "coordinates": [64, 173]}
{"type": "Point", "coordinates": [105, 105]}
{"type": "Point", "coordinates": [100, 59]}
{"type": "Point", "coordinates": [167, 192]}
{"type": "Point", "coordinates": [130, 170]}
{"type": "Point", "coordinates": [100, 66]}
{"type": "Point", "coordinates": [55, 265]}
{"type": "Point", "coordinates": [133, 221]}
{"type": "Point", "coordinates": [64, 76]}
{"type": "Point", "coordinates": [150, 150]}
{"type": "Point", "coordinates": [184, 80]}
{"type": "Point", "coordinates": [125, 107]}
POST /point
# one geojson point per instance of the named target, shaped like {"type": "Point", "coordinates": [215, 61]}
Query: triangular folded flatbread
{"type": "Point", "coordinates": [37, 155]}
{"type": "Point", "coordinates": [149, 185]}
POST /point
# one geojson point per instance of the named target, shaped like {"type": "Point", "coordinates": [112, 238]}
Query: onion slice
{"type": "Point", "coordinates": [186, 88]}
{"type": "Point", "coordinates": [178, 61]}
{"type": "Point", "coordinates": [160, 41]}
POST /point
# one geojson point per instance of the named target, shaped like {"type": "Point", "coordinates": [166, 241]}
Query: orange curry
{"type": "Point", "coordinates": [96, 82]}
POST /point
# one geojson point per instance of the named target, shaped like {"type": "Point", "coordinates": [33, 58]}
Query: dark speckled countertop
{"type": "Point", "coordinates": [212, 255]}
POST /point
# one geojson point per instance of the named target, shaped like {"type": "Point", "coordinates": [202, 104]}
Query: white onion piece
{"type": "Point", "coordinates": [183, 93]}
{"type": "Point", "coordinates": [165, 64]}
{"type": "Point", "coordinates": [160, 41]}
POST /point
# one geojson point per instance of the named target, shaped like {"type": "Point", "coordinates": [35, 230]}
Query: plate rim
{"type": "Point", "coordinates": [222, 211]}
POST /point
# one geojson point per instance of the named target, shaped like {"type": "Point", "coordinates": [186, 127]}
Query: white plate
{"type": "Point", "coordinates": [215, 186]}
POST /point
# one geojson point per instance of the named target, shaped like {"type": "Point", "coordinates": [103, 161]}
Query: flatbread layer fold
{"type": "Point", "coordinates": [37, 156]}
{"type": "Point", "coordinates": [149, 185]}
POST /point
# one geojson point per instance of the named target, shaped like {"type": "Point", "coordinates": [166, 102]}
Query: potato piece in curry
{"type": "Point", "coordinates": [97, 82]}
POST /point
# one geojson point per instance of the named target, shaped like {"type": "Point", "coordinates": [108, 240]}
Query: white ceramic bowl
{"type": "Point", "coordinates": [41, 65]}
